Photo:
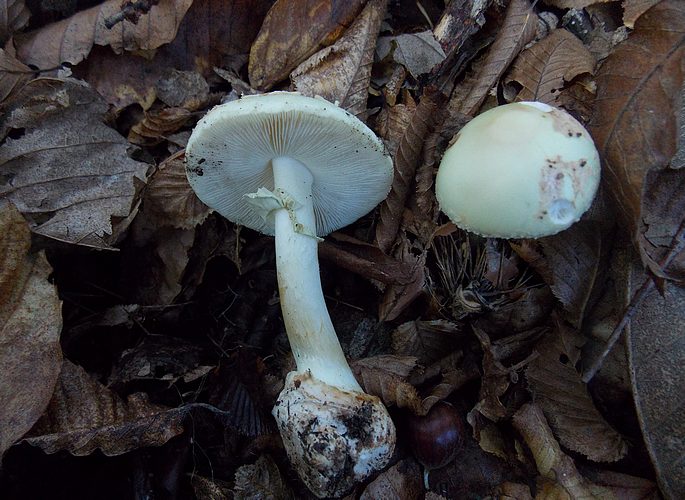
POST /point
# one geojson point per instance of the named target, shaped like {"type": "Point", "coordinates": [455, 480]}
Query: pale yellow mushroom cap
{"type": "Point", "coordinates": [522, 170]}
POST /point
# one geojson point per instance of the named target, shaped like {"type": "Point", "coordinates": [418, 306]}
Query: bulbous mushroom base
{"type": "Point", "coordinates": [333, 438]}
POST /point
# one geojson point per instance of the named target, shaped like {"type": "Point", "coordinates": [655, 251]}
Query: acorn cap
{"type": "Point", "coordinates": [230, 151]}
{"type": "Point", "coordinates": [522, 170]}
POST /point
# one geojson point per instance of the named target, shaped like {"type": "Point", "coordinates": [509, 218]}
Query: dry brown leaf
{"type": "Point", "coordinates": [157, 125]}
{"type": "Point", "coordinates": [341, 73]}
{"type": "Point", "coordinates": [614, 485]}
{"type": "Point", "coordinates": [292, 31]}
{"type": "Point", "coordinates": [385, 376]}
{"type": "Point", "coordinates": [418, 52]}
{"type": "Point", "coordinates": [552, 463]}
{"type": "Point", "coordinates": [13, 74]}
{"type": "Point", "coordinates": [30, 325]}
{"type": "Point", "coordinates": [517, 30]}
{"type": "Point", "coordinates": [260, 480]}
{"type": "Point", "coordinates": [183, 89]}
{"type": "Point", "coordinates": [84, 415]}
{"type": "Point", "coordinates": [559, 391]}
{"type": "Point", "coordinates": [67, 172]}
{"type": "Point", "coordinates": [402, 481]}
{"type": "Point", "coordinates": [544, 69]}
{"type": "Point", "coordinates": [575, 261]}
{"type": "Point", "coordinates": [633, 9]}
{"type": "Point", "coordinates": [656, 354]}
{"type": "Point", "coordinates": [573, 4]}
{"type": "Point", "coordinates": [634, 127]}
{"type": "Point", "coordinates": [71, 40]}
{"type": "Point", "coordinates": [210, 489]}
{"type": "Point", "coordinates": [392, 122]}
{"type": "Point", "coordinates": [407, 159]}
{"type": "Point", "coordinates": [398, 297]}
{"type": "Point", "coordinates": [15, 15]}
{"type": "Point", "coordinates": [427, 340]}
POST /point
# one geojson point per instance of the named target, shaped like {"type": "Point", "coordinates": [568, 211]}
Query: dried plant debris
{"type": "Point", "coordinates": [13, 74]}
{"type": "Point", "coordinates": [65, 170]}
{"type": "Point", "coordinates": [427, 340]}
{"type": "Point", "coordinates": [83, 415]}
{"type": "Point", "coordinates": [341, 73]}
{"type": "Point", "coordinates": [385, 376]}
{"type": "Point", "coordinates": [15, 17]}
{"type": "Point", "coordinates": [634, 135]}
{"type": "Point", "coordinates": [558, 389]}
{"type": "Point", "coordinates": [418, 52]}
{"type": "Point", "coordinates": [30, 326]}
{"type": "Point", "coordinates": [260, 480]}
{"type": "Point", "coordinates": [402, 481]}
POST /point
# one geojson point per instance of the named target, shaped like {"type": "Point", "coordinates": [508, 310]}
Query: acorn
{"type": "Point", "coordinates": [435, 439]}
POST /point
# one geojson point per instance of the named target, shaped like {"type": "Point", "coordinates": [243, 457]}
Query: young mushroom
{"type": "Point", "coordinates": [522, 170]}
{"type": "Point", "coordinates": [298, 168]}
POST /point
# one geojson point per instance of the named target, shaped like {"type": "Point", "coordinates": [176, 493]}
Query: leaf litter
{"type": "Point", "coordinates": [181, 319]}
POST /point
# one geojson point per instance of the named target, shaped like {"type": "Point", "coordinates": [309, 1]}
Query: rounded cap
{"type": "Point", "coordinates": [522, 170]}
{"type": "Point", "coordinates": [230, 151]}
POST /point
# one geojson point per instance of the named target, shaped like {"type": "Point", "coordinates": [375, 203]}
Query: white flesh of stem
{"type": "Point", "coordinates": [310, 331]}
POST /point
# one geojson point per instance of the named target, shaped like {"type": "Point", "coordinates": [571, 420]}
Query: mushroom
{"type": "Point", "coordinates": [298, 168]}
{"type": "Point", "coordinates": [522, 170]}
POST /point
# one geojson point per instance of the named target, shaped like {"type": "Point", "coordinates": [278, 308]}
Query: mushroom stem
{"type": "Point", "coordinates": [310, 331]}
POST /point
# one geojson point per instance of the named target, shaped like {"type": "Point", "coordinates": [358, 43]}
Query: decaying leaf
{"type": "Point", "coordinates": [398, 297]}
{"type": "Point", "coordinates": [573, 265]}
{"type": "Point", "coordinates": [406, 161]}
{"type": "Point", "coordinates": [71, 40]}
{"type": "Point", "coordinates": [15, 16]}
{"type": "Point", "coordinates": [183, 89]}
{"type": "Point", "coordinates": [157, 125]}
{"type": "Point", "coordinates": [393, 121]}
{"type": "Point", "coordinates": [544, 69]}
{"type": "Point", "coordinates": [427, 340]}
{"type": "Point", "coordinates": [385, 376]}
{"type": "Point", "coordinates": [66, 171]}
{"type": "Point", "coordinates": [30, 325]}
{"type": "Point", "coordinates": [418, 52]}
{"type": "Point", "coordinates": [517, 30]}
{"type": "Point", "coordinates": [402, 481]}
{"type": "Point", "coordinates": [656, 354]}
{"type": "Point", "coordinates": [559, 391]}
{"type": "Point", "coordinates": [84, 415]}
{"type": "Point", "coordinates": [552, 463]}
{"type": "Point", "coordinates": [341, 72]}
{"type": "Point", "coordinates": [260, 480]}
{"type": "Point", "coordinates": [634, 127]}
{"type": "Point", "coordinates": [210, 489]}
{"type": "Point", "coordinates": [13, 74]}
{"type": "Point", "coordinates": [292, 31]}
{"type": "Point", "coordinates": [573, 4]}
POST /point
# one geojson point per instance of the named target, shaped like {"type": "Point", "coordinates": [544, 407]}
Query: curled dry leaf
{"type": "Point", "coordinates": [656, 353]}
{"type": "Point", "coordinates": [545, 68]}
{"type": "Point", "coordinates": [407, 159]}
{"type": "Point", "coordinates": [67, 172]}
{"type": "Point", "coordinates": [13, 74]}
{"type": "Point", "coordinates": [292, 31]}
{"type": "Point", "coordinates": [157, 125]}
{"type": "Point", "coordinates": [30, 324]}
{"type": "Point", "coordinates": [562, 395]}
{"type": "Point", "coordinates": [71, 40]}
{"type": "Point", "coordinates": [517, 30]}
{"type": "Point", "coordinates": [385, 376]}
{"type": "Point", "coordinates": [84, 415]}
{"type": "Point", "coordinates": [341, 72]}
{"type": "Point", "coordinates": [634, 127]}
{"type": "Point", "coordinates": [427, 340]}
{"type": "Point", "coordinates": [260, 480]}
{"type": "Point", "coordinates": [402, 481]}
{"type": "Point", "coordinates": [552, 463]}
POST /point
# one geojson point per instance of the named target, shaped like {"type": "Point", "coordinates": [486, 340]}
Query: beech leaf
{"type": "Point", "coordinates": [30, 325]}
{"type": "Point", "coordinates": [634, 126]}
{"type": "Point", "coordinates": [427, 340]}
{"type": "Point", "coordinates": [15, 16]}
{"type": "Point", "coordinates": [13, 74]}
{"type": "Point", "coordinates": [292, 31]}
{"type": "Point", "coordinates": [517, 30]}
{"type": "Point", "coordinates": [71, 40]}
{"type": "Point", "coordinates": [385, 376]}
{"type": "Point", "coordinates": [418, 52]}
{"type": "Point", "coordinates": [84, 415]}
{"type": "Point", "coordinates": [558, 389]}
{"type": "Point", "coordinates": [341, 73]}
{"type": "Point", "coordinates": [544, 69]}
{"type": "Point", "coordinates": [260, 480]}
{"type": "Point", "coordinates": [402, 481]}
{"type": "Point", "coordinates": [67, 172]}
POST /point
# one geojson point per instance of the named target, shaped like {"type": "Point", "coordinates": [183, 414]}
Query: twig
{"type": "Point", "coordinates": [130, 11]}
{"type": "Point", "coordinates": [637, 300]}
